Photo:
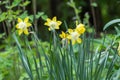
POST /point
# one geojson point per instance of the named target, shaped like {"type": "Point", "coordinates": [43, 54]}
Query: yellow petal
{"type": "Point", "coordinates": [54, 18]}
{"type": "Point", "coordinates": [17, 26]}
{"type": "Point", "coordinates": [28, 24]}
{"type": "Point", "coordinates": [70, 30]}
{"type": "Point", "coordinates": [46, 23]}
{"type": "Point", "coordinates": [69, 37]}
{"type": "Point", "coordinates": [81, 25]}
{"type": "Point", "coordinates": [20, 31]}
{"type": "Point", "coordinates": [49, 29]}
{"type": "Point", "coordinates": [26, 31]}
{"type": "Point", "coordinates": [80, 29]}
{"type": "Point", "coordinates": [62, 35]}
{"type": "Point", "coordinates": [79, 40]}
{"type": "Point", "coordinates": [19, 20]}
{"type": "Point", "coordinates": [26, 19]}
{"type": "Point", "coordinates": [59, 22]}
{"type": "Point", "coordinates": [57, 27]}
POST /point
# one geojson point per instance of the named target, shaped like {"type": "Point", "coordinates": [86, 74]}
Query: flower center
{"type": "Point", "coordinates": [74, 35]}
{"type": "Point", "coordinates": [22, 25]}
{"type": "Point", "coordinates": [53, 25]}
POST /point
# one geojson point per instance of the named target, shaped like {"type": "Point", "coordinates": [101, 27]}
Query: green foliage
{"type": "Point", "coordinates": [115, 21]}
{"type": "Point", "coordinates": [109, 12]}
{"type": "Point", "coordinates": [94, 4]}
{"type": "Point", "coordinates": [71, 3]}
{"type": "Point", "coordinates": [29, 58]}
{"type": "Point", "coordinates": [81, 61]}
{"type": "Point", "coordinates": [13, 10]}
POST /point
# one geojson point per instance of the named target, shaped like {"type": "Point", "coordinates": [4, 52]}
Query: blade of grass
{"type": "Point", "coordinates": [23, 58]}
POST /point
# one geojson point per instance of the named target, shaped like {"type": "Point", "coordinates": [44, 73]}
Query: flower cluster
{"type": "Point", "coordinates": [74, 34]}
{"type": "Point", "coordinates": [71, 34]}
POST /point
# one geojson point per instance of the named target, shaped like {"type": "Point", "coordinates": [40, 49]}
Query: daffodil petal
{"type": "Point", "coordinates": [54, 18]}
{"type": "Point", "coordinates": [20, 31]}
{"type": "Point", "coordinates": [19, 20]}
{"type": "Point", "coordinates": [70, 30]}
{"type": "Point", "coordinates": [49, 29]}
{"type": "Point", "coordinates": [17, 26]}
{"type": "Point", "coordinates": [80, 28]}
{"type": "Point", "coordinates": [57, 27]}
{"type": "Point", "coordinates": [46, 23]}
{"type": "Point", "coordinates": [79, 40]}
{"type": "Point", "coordinates": [61, 36]}
{"type": "Point", "coordinates": [26, 19]}
{"type": "Point", "coordinates": [69, 37]}
{"type": "Point", "coordinates": [59, 22]}
{"type": "Point", "coordinates": [26, 31]}
{"type": "Point", "coordinates": [80, 25]}
{"type": "Point", "coordinates": [28, 24]}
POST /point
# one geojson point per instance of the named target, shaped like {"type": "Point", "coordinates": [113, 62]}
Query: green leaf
{"type": "Point", "coordinates": [23, 15]}
{"type": "Point", "coordinates": [111, 23]}
{"type": "Point", "coordinates": [15, 3]}
{"type": "Point", "coordinates": [44, 17]}
{"type": "Point", "coordinates": [39, 14]}
{"type": "Point", "coordinates": [117, 30]}
{"type": "Point", "coordinates": [31, 17]}
{"type": "Point", "coordinates": [2, 35]}
{"type": "Point", "coordinates": [94, 4]}
{"type": "Point", "coordinates": [4, 2]}
{"type": "Point", "coordinates": [25, 3]}
{"type": "Point", "coordinates": [23, 58]}
{"type": "Point", "coordinates": [3, 16]}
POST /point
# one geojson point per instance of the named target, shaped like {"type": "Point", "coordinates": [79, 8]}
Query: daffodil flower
{"type": "Point", "coordinates": [65, 39]}
{"type": "Point", "coordinates": [80, 28]}
{"type": "Point", "coordinates": [22, 26]}
{"type": "Point", "coordinates": [53, 24]}
{"type": "Point", "coordinates": [63, 35]}
{"type": "Point", "coordinates": [74, 36]}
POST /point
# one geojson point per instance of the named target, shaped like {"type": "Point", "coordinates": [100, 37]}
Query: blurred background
{"type": "Point", "coordinates": [99, 12]}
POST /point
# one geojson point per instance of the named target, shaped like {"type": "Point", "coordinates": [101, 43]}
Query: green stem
{"type": "Point", "coordinates": [75, 10]}
{"type": "Point", "coordinates": [34, 12]}
{"type": "Point", "coordinates": [54, 39]}
{"type": "Point", "coordinates": [77, 14]}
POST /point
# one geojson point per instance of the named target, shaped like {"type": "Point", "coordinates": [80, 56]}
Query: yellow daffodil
{"type": "Point", "coordinates": [63, 35]}
{"type": "Point", "coordinates": [53, 24]}
{"type": "Point", "coordinates": [74, 36]}
{"type": "Point", "coordinates": [80, 28]}
{"type": "Point", "coordinates": [65, 39]}
{"type": "Point", "coordinates": [22, 26]}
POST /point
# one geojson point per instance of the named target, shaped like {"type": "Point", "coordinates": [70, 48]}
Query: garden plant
{"type": "Point", "coordinates": [73, 53]}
